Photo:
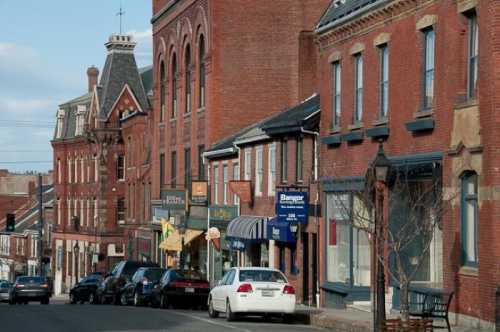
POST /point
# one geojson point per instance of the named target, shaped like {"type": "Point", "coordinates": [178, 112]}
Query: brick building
{"type": "Point", "coordinates": [421, 76]}
{"type": "Point", "coordinates": [91, 178]}
{"type": "Point", "coordinates": [218, 69]}
{"type": "Point", "coordinates": [20, 249]}
{"type": "Point", "coordinates": [276, 155]}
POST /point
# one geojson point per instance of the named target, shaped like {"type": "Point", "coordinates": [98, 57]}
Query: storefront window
{"type": "Point", "coordinates": [348, 249]}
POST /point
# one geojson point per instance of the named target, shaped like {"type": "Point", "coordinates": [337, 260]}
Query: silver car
{"type": "Point", "coordinates": [4, 291]}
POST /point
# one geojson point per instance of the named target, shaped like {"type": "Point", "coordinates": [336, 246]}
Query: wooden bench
{"type": "Point", "coordinates": [433, 306]}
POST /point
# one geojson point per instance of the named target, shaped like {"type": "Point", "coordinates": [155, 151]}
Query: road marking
{"type": "Point", "coordinates": [206, 320]}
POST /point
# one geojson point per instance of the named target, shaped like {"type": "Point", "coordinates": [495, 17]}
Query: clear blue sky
{"type": "Point", "coordinates": [45, 48]}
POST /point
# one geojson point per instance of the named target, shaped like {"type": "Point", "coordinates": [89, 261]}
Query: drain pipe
{"type": "Point", "coordinates": [316, 201]}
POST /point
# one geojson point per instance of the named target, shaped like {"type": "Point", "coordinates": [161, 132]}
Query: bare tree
{"type": "Point", "coordinates": [416, 205]}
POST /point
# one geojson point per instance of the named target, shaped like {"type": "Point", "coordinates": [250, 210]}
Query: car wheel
{"type": "Point", "coordinates": [72, 298]}
{"type": "Point", "coordinates": [212, 313]}
{"type": "Point", "coordinates": [288, 318]}
{"type": "Point", "coordinates": [123, 299]}
{"type": "Point", "coordinates": [92, 298]}
{"type": "Point", "coordinates": [45, 301]}
{"type": "Point", "coordinates": [163, 301]}
{"type": "Point", "coordinates": [12, 301]}
{"type": "Point", "coordinates": [230, 315]}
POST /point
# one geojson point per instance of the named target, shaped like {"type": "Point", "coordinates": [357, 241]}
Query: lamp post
{"type": "Point", "coordinates": [380, 168]}
{"type": "Point", "coordinates": [76, 250]}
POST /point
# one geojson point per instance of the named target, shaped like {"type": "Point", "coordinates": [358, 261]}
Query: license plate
{"type": "Point", "coordinates": [267, 293]}
{"type": "Point", "coordinates": [189, 290]}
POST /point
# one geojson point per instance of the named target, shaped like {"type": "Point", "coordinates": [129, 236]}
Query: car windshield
{"type": "Point", "coordinates": [262, 275]}
{"type": "Point", "coordinates": [191, 275]}
{"type": "Point", "coordinates": [4, 285]}
{"type": "Point", "coordinates": [131, 267]}
{"type": "Point", "coordinates": [154, 274]}
{"type": "Point", "coordinates": [30, 280]}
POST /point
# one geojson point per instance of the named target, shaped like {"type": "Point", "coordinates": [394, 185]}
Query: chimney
{"type": "Point", "coordinates": [92, 74]}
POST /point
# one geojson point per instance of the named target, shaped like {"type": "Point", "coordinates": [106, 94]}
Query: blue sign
{"type": "Point", "coordinates": [281, 231]}
{"type": "Point", "coordinates": [292, 207]}
{"type": "Point", "coordinates": [236, 244]}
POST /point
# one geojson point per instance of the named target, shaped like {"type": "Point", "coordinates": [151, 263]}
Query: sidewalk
{"type": "Point", "coordinates": [348, 320]}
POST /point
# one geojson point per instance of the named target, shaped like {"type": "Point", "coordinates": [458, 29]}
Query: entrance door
{"type": "Point", "coordinates": [314, 266]}
{"type": "Point", "coordinates": [305, 268]}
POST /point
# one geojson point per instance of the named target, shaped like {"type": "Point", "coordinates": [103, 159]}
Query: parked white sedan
{"type": "Point", "coordinates": [252, 291]}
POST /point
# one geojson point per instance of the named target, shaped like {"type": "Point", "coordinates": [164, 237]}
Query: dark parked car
{"type": "Point", "coordinates": [85, 290]}
{"type": "Point", "coordinates": [140, 289]}
{"type": "Point", "coordinates": [181, 288]}
{"type": "Point", "coordinates": [111, 288]}
{"type": "Point", "coordinates": [26, 289]}
{"type": "Point", "coordinates": [4, 291]}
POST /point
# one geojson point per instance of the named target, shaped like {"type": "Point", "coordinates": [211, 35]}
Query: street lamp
{"type": "Point", "coordinates": [380, 166]}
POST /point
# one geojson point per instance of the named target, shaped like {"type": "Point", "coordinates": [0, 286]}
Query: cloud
{"type": "Point", "coordinates": [144, 48]}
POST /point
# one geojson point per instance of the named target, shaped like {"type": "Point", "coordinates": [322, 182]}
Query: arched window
{"type": "Point", "coordinates": [469, 212]}
{"type": "Point", "coordinates": [162, 91]}
{"type": "Point", "coordinates": [174, 86]}
{"type": "Point", "coordinates": [202, 72]}
{"type": "Point", "coordinates": [187, 68]}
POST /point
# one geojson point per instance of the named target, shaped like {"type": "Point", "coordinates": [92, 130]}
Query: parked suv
{"type": "Point", "coordinates": [111, 288]}
{"type": "Point", "coordinates": [139, 289]}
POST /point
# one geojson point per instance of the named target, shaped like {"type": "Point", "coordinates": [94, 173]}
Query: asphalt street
{"type": "Point", "coordinates": [59, 316]}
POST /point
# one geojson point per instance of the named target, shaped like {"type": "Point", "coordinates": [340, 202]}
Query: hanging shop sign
{"type": "Point", "coordinates": [174, 199]}
{"type": "Point", "coordinates": [292, 206]}
{"type": "Point", "coordinates": [242, 189]}
{"type": "Point", "coordinates": [199, 192]}
{"type": "Point", "coordinates": [223, 213]}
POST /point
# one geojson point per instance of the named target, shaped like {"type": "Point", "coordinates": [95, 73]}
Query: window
{"type": "Point", "coordinates": [216, 184]}
{"type": "Point", "coordinates": [469, 219]}
{"type": "Point", "coordinates": [336, 93]}
{"type": "Point", "coordinates": [129, 152]}
{"type": "Point", "coordinates": [348, 249]}
{"type": "Point", "coordinates": [173, 180]}
{"type": "Point", "coordinates": [60, 123]}
{"type": "Point", "coordinates": [82, 211]}
{"type": "Point", "coordinates": [120, 167]}
{"type": "Point", "coordinates": [259, 171]}
{"type": "Point", "coordinates": [473, 56]}
{"type": "Point", "coordinates": [163, 81]}
{"type": "Point", "coordinates": [120, 210]}
{"type": "Point", "coordinates": [174, 86]}
{"type": "Point", "coordinates": [187, 68]}
{"type": "Point", "coordinates": [187, 168]}
{"type": "Point", "coordinates": [96, 210]}
{"type": "Point", "coordinates": [20, 246]}
{"type": "Point", "coordinates": [315, 159]}
{"type": "Point", "coordinates": [82, 170]}
{"type": "Point", "coordinates": [384, 81]}
{"type": "Point", "coordinates": [299, 160]}
{"type": "Point", "coordinates": [70, 170]}
{"type": "Point", "coordinates": [225, 183]}
{"type": "Point", "coordinates": [202, 71]}
{"type": "Point", "coordinates": [283, 161]}
{"type": "Point", "coordinates": [5, 245]}
{"type": "Point", "coordinates": [96, 168]}
{"type": "Point", "coordinates": [201, 164]}
{"type": "Point", "coordinates": [59, 211]}
{"type": "Point", "coordinates": [87, 213]}
{"type": "Point", "coordinates": [69, 211]}
{"type": "Point", "coordinates": [271, 178]}
{"type": "Point", "coordinates": [248, 164]}
{"type": "Point", "coordinates": [75, 163]}
{"type": "Point", "coordinates": [236, 177]}
{"type": "Point", "coordinates": [88, 168]}
{"type": "Point", "coordinates": [358, 102]}
{"type": "Point", "coordinates": [162, 170]}
{"type": "Point", "coordinates": [428, 85]}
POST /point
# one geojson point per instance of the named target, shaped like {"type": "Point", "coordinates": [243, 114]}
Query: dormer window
{"type": "Point", "coordinates": [60, 123]}
{"type": "Point", "coordinates": [80, 119]}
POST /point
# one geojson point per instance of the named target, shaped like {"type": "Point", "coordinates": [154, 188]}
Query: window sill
{"type": "Point", "coordinates": [355, 126]}
{"type": "Point", "coordinates": [423, 113]}
{"type": "Point", "coordinates": [335, 130]}
{"type": "Point", "coordinates": [187, 115]}
{"type": "Point", "coordinates": [466, 104]}
{"type": "Point", "coordinates": [173, 120]}
{"type": "Point", "coordinates": [380, 122]}
{"type": "Point", "coordinates": [161, 124]}
{"type": "Point", "coordinates": [201, 110]}
{"type": "Point", "coordinates": [469, 271]}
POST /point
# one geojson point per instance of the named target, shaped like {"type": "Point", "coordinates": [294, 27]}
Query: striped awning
{"type": "Point", "coordinates": [247, 228]}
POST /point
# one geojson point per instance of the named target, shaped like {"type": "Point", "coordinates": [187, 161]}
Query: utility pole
{"type": "Point", "coordinates": [40, 226]}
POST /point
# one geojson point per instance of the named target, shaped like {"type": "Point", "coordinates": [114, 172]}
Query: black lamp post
{"type": "Point", "coordinates": [76, 250]}
{"type": "Point", "coordinates": [380, 167]}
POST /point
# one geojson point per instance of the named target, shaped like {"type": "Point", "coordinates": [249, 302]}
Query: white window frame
{"type": "Point", "coordinates": [69, 202]}
{"type": "Point", "coordinates": [216, 183]}
{"type": "Point", "coordinates": [248, 165]}
{"type": "Point", "coordinates": [82, 166]}
{"type": "Point", "coordinates": [59, 211]}
{"type": "Point", "coordinates": [70, 171]}
{"type": "Point", "coordinates": [96, 168]}
{"type": "Point", "coordinates": [236, 177]}
{"type": "Point", "coordinates": [59, 168]}
{"type": "Point", "coordinates": [76, 169]}
{"type": "Point", "coordinates": [271, 174]}
{"type": "Point", "coordinates": [96, 210]}
{"type": "Point", "coordinates": [259, 170]}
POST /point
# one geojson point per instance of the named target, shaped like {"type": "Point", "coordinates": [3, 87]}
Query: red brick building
{"type": "Point", "coordinates": [421, 76]}
{"type": "Point", "coordinates": [91, 178]}
{"type": "Point", "coordinates": [276, 155]}
{"type": "Point", "coordinates": [220, 66]}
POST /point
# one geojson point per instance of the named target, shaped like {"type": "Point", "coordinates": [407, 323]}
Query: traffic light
{"type": "Point", "coordinates": [11, 222]}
